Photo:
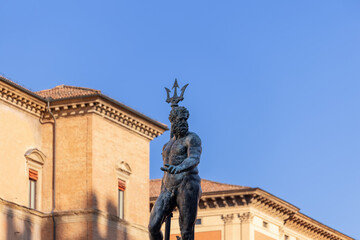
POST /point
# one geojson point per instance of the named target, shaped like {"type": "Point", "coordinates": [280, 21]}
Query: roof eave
{"type": "Point", "coordinates": [118, 104]}
{"type": "Point", "coordinates": [162, 126]}
{"type": "Point", "coordinates": [269, 195]}
{"type": "Point", "coordinates": [17, 86]}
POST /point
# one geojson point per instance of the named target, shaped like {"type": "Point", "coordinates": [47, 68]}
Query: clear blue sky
{"type": "Point", "coordinates": [274, 85]}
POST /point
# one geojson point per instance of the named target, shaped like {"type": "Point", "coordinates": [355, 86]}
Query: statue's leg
{"type": "Point", "coordinates": [162, 208]}
{"type": "Point", "coordinates": [187, 201]}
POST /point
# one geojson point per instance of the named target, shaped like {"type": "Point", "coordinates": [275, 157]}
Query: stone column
{"type": "Point", "coordinates": [227, 226]}
{"type": "Point", "coordinates": [245, 221]}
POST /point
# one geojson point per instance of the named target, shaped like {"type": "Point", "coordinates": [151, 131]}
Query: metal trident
{"type": "Point", "coordinates": [174, 100]}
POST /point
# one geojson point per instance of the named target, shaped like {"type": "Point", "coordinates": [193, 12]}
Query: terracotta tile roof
{"type": "Point", "coordinates": [207, 186]}
{"type": "Point", "coordinates": [63, 91]}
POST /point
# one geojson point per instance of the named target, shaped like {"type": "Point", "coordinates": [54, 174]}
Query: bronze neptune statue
{"type": "Point", "coordinates": [181, 183]}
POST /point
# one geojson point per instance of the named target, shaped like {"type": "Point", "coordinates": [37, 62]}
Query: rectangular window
{"type": "Point", "coordinates": [121, 190]}
{"type": "Point", "coordinates": [198, 221]}
{"type": "Point", "coordinates": [265, 224]}
{"type": "Point", "coordinates": [33, 177]}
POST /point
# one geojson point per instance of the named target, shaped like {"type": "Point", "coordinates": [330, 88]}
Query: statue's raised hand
{"type": "Point", "coordinates": [171, 169]}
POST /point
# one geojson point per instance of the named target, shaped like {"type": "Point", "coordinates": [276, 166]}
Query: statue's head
{"type": "Point", "coordinates": [178, 118]}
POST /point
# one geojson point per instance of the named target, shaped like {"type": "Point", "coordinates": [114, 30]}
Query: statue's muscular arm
{"type": "Point", "coordinates": [193, 144]}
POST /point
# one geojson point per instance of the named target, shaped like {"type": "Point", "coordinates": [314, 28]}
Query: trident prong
{"type": "Point", "coordinates": [175, 87]}
{"type": "Point", "coordinates": [182, 91]}
{"type": "Point", "coordinates": [168, 95]}
{"type": "Point", "coordinates": [174, 100]}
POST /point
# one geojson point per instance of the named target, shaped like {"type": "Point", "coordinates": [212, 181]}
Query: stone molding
{"type": "Point", "coordinates": [126, 120]}
{"type": "Point", "coordinates": [98, 216]}
{"type": "Point", "coordinates": [123, 170]}
{"type": "Point", "coordinates": [300, 224]}
{"type": "Point", "coordinates": [87, 215]}
{"type": "Point", "coordinates": [272, 207]}
{"type": "Point", "coordinates": [35, 157]}
{"type": "Point", "coordinates": [7, 207]}
{"type": "Point", "coordinates": [77, 106]}
{"type": "Point", "coordinates": [21, 100]}
{"type": "Point", "coordinates": [107, 111]}
{"type": "Point", "coordinates": [222, 201]}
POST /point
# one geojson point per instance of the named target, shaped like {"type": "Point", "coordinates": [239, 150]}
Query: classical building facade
{"type": "Point", "coordinates": [73, 162]}
{"type": "Point", "coordinates": [232, 212]}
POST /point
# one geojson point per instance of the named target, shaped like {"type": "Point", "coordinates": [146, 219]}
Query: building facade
{"type": "Point", "coordinates": [73, 161]}
{"type": "Point", "coordinates": [232, 212]}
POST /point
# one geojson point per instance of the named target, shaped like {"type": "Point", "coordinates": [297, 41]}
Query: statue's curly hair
{"type": "Point", "coordinates": [176, 111]}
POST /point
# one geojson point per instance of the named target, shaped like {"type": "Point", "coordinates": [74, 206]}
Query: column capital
{"type": "Point", "coordinates": [227, 218]}
{"type": "Point", "coordinates": [245, 217]}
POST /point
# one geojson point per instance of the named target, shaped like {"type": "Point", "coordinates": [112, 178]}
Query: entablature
{"type": "Point", "coordinates": [310, 227]}
{"type": "Point", "coordinates": [20, 99]}
{"type": "Point", "coordinates": [85, 105]}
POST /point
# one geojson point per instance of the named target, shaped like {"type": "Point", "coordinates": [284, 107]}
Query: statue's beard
{"type": "Point", "coordinates": [180, 129]}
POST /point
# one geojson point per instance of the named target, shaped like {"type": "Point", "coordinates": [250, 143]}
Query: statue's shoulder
{"type": "Point", "coordinates": [193, 138]}
{"type": "Point", "coordinates": [165, 145]}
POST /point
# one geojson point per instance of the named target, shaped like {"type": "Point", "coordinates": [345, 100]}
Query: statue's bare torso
{"type": "Point", "coordinates": [184, 153]}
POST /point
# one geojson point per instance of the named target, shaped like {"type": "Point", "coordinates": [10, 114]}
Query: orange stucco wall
{"type": "Point", "coordinates": [20, 131]}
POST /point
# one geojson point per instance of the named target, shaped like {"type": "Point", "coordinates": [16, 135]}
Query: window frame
{"type": "Point", "coordinates": [123, 172]}
{"type": "Point", "coordinates": [121, 204]}
{"type": "Point", "coordinates": [32, 193]}
{"type": "Point", "coordinates": [265, 224]}
{"type": "Point", "coordinates": [35, 160]}
{"type": "Point", "coordinates": [121, 198]}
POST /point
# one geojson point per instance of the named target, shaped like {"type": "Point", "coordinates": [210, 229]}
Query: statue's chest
{"type": "Point", "coordinates": [176, 149]}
